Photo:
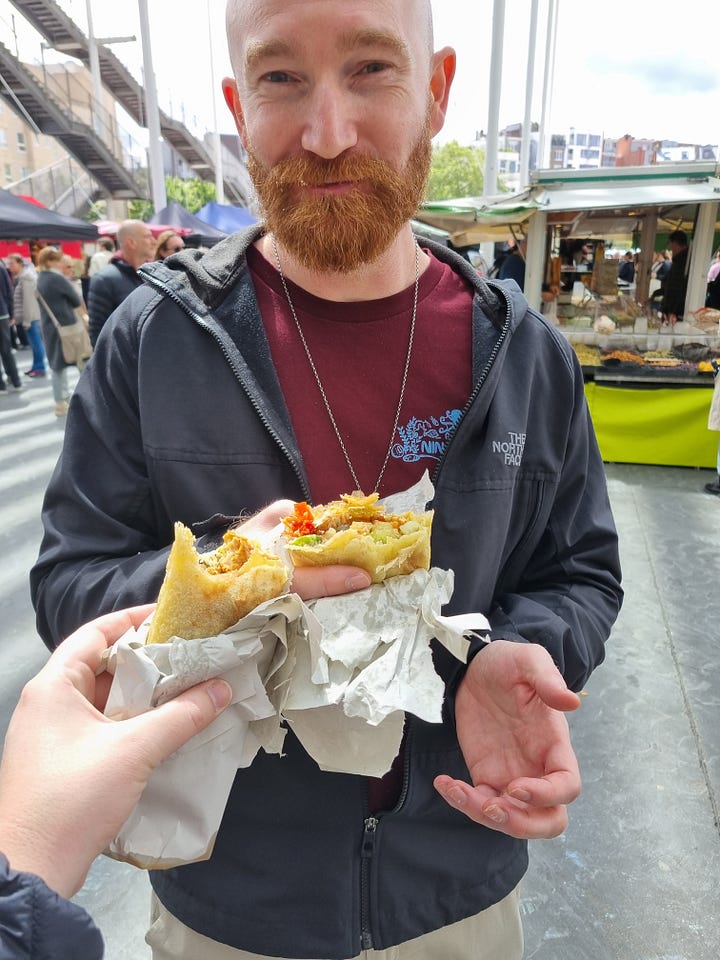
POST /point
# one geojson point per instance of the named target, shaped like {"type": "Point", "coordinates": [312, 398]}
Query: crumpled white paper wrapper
{"type": "Point", "coordinates": [342, 671]}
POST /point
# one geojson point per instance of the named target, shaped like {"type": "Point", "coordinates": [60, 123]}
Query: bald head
{"type": "Point", "coordinates": [241, 13]}
{"type": "Point", "coordinates": [136, 242]}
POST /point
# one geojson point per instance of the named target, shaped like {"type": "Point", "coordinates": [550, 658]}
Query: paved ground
{"type": "Point", "coordinates": [636, 876]}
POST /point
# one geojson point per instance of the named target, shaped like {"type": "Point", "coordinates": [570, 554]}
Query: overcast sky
{"type": "Point", "coordinates": [648, 69]}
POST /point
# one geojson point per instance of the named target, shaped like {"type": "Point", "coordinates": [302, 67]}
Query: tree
{"type": "Point", "coordinates": [192, 194]}
{"type": "Point", "coordinates": [455, 172]}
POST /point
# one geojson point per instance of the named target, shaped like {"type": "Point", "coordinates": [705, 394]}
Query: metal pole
{"type": "Point", "coordinates": [217, 147]}
{"type": "Point", "coordinates": [543, 142]}
{"type": "Point", "coordinates": [527, 120]}
{"type": "Point", "coordinates": [496, 58]}
{"type": "Point", "coordinates": [157, 176]}
{"type": "Point", "coordinates": [94, 72]}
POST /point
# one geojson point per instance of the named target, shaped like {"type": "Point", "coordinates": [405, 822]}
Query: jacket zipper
{"type": "Point", "coordinates": [476, 389]}
{"type": "Point", "coordinates": [367, 849]}
{"type": "Point", "coordinates": [157, 285]}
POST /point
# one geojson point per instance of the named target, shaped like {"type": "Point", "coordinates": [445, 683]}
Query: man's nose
{"type": "Point", "coordinates": [330, 127]}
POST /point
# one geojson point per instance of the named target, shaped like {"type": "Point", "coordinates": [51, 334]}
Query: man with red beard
{"type": "Point", "coordinates": [326, 351]}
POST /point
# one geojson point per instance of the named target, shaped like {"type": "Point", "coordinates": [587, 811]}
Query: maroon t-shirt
{"type": "Point", "coordinates": [359, 351]}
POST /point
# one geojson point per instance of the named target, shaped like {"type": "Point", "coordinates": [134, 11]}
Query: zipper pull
{"type": "Point", "coordinates": [368, 841]}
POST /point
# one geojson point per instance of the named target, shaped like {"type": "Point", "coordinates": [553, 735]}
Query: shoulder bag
{"type": "Point", "coordinates": [74, 338]}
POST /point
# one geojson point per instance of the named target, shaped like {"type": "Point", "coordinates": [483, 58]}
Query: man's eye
{"type": "Point", "coordinates": [277, 76]}
{"type": "Point", "coordinates": [374, 67]}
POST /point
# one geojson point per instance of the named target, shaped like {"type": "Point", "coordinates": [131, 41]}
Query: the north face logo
{"type": "Point", "coordinates": [511, 450]}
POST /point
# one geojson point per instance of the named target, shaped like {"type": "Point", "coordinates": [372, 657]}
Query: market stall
{"type": "Point", "coordinates": [648, 382]}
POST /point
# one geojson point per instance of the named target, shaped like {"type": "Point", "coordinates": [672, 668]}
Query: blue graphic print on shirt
{"type": "Point", "coordinates": [425, 439]}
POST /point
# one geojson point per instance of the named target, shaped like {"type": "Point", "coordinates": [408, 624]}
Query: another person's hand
{"type": "Point", "coordinates": [515, 741]}
{"type": "Point", "coordinates": [308, 582]}
{"type": "Point", "coordinates": [70, 777]}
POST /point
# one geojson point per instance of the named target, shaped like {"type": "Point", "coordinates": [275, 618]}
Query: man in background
{"type": "Point", "coordinates": [112, 283]}
{"type": "Point", "coordinates": [27, 310]}
{"type": "Point", "coordinates": [101, 258]}
{"type": "Point", "coordinates": [674, 288]}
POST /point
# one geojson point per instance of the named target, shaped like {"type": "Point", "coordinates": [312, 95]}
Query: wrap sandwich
{"type": "Point", "coordinates": [357, 530]}
{"type": "Point", "coordinates": [205, 593]}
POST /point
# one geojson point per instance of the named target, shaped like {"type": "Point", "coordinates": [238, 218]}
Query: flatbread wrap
{"type": "Point", "coordinates": [205, 593]}
{"type": "Point", "coordinates": [357, 530]}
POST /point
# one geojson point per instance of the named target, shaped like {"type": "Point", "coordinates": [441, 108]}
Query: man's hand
{"type": "Point", "coordinates": [308, 582]}
{"type": "Point", "coordinates": [515, 741]}
{"type": "Point", "coordinates": [70, 777]}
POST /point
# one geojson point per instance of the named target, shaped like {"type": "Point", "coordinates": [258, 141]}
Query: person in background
{"type": "Point", "coordinates": [101, 258]}
{"type": "Point", "coordinates": [674, 288]}
{"type": "Point", "coordinates": [714, 424]}
{"type": "Point", "coordinates": [110, 286]}
{"type": "Point", "coordinates": [167, 243]}
{"type": "Point", "coordinates": [626, 270]}
{"type": "Point", "coordinates": [27, 310]}
{"type": "Point", "coordinates": [261, 397]}
{"type": "Point", "coordinates": [6, 320]}
{"type": "Point", "coordinates": [61, 298]}
{"type": "Point", "coordinates": [69, 779]}
{"type": "Point", "coordinates": [712, 295]}
{"type": "Point", "coordinates": [513, 266]}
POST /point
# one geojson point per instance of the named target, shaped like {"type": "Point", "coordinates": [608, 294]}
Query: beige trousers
{"type": "Point", "coordinates": [494, 934]}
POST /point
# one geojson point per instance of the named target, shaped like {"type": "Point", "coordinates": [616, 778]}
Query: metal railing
{"type": "Point", "coordinates": [81, 107]}
{"type": "Point", "coordinates": [64, 186]}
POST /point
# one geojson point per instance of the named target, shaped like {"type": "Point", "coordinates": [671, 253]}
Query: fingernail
{"type": "Point", "coordinates": [358, 581]}
{"type": "Point", "coordinates": [520, 795]}
{"type": "Point", "coordinates": [220, 693]}
{"type": "Point", "coordinates": [456, 796]}
{"type": "Point", "coordinates": [496, 814]}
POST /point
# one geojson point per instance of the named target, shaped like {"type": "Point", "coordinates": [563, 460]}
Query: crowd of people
{"type": "Point", "coordinates": [50, 288]}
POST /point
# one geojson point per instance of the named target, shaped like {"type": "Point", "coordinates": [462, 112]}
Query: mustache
{"type": "Point", "coordinates": [316, 171]}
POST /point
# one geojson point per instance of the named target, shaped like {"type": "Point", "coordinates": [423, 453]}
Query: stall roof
{"type": "Point", "coordinates": [601, 198]}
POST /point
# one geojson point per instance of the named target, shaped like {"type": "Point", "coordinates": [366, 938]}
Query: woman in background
{"type": "Point", "coordinates": [59, 295]}
{"type": "Point", "coordinates": [168, 242]}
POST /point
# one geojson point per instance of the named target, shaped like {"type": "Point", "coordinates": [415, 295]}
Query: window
{"type": "Point", "coordinates": [581, 139]}
{"type": "Point", "coordinates": [3, 137]}
{"type": "Point", "coordinates": [594, 140]}
{"type": "Point", "coordinates": [24, 172]}
{"type": "Point", "coordinates": [21, 145]}
{"type": "Point", "coordinates": [8, 173]}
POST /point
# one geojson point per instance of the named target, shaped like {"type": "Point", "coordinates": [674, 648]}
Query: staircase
{"type": "Point", "coordinates": [91, 136]}
{"type": "Point", "coordinates": [64, 35]}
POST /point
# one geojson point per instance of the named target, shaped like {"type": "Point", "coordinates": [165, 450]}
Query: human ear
{"type": "Point", "coordinates": [441, 77]}
{"type": "Point", "coordinates": [232, 99]}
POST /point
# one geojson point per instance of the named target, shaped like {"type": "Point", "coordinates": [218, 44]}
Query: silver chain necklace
{"type": "Point", "coordinates": [358, 485]}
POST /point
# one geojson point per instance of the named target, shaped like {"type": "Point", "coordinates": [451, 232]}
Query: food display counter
{"type": "Point", "coordinates": [648, 386]}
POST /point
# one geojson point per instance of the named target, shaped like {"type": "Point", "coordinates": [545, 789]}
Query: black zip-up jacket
{"type": "Point", "coordinates": [36, 923]}
{"type": "Point", "coordinates": [179, 416]}
{"type": "Point", "coordinates": [107, 290]}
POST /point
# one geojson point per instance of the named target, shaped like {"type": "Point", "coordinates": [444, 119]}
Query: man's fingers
{"type": "Point", "coordinates": [312, 582]}
{"type": "Point", "coordinates": [501, 812]}
{"type": "Point", "coordinates": [560, 787]}
{"type": "Point", "coordinates": [166, 728]}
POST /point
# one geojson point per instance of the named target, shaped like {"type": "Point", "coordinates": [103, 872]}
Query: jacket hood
{"type": "Point", "coordinates": [199, 281]}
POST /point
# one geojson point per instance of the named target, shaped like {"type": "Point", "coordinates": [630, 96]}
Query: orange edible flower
{"type": "Point", "coordinates": [301, 523]}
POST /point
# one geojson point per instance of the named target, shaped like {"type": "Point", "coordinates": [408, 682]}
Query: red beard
{"type": "Point", "coordinates": [339, 234]}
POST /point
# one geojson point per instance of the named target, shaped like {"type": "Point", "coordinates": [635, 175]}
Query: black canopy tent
{"type": "Point", "coordinates": [20, 220]}
{"type": "Point", "coordinates": [201, 233]}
